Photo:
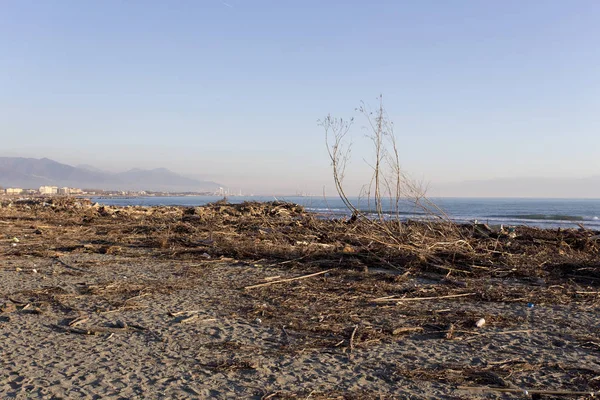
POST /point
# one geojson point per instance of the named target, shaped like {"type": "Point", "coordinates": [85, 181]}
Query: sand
{"type": "Point", "coordinates": [80, 320]}
{"type": "Point", "coordinates": [234, 350]}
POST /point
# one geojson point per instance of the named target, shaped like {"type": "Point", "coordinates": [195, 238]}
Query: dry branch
{"type": "Point", "coordinates": [78, 321]}
{"type": "Point", "coordinates": [288, 280]}
{"type": "Point", "coordinates": [389, 299]}
{"type": "Point", "coordinates": [352, 337]}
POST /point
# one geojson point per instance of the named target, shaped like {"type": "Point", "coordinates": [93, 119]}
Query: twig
{"type": "Point", "coordinates": [288, 280]}
{"type": "Point", "coordinates": [352, 338]}
{"type": "Point", "coordinates": [78, 321]}
{"type": "Point", "coordinates": [527, 391]}
{"type": "Point", "coordinates": [68, 266]}
{"type": "Point", "coordinates": [286, 262]}
{"type": "Point", "coordinates": [389, 300]}
{"type": "Point", "coordinates": [178, 313]}
{"type": "Point", "coordinates": [405, 329]}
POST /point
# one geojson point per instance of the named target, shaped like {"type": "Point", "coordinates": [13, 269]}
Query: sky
{"type": "Point", "coordinates": [232, 90]}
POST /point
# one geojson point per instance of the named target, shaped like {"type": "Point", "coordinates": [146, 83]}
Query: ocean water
{"type": "Point", "coordinates": [544, 213]}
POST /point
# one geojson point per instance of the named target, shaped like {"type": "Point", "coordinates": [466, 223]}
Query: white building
{"type": "Point", "coordinates": [14, 191]}
{"type": "Point", "coordinates": [48, 190]}
{"type": "Point", "coordinates": [64, 190]}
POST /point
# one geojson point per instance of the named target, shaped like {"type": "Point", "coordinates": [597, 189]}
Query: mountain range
{"type": "Point", "coordinates": [31, 173]}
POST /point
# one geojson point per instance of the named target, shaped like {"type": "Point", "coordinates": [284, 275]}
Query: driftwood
{"type": "Point", "coordinates": [288, 280]}
{"type": "Point", "coordinates": [391, 299]}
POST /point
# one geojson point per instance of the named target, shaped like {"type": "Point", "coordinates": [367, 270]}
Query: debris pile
{"type": "Point", "coordinates": [285, 232]}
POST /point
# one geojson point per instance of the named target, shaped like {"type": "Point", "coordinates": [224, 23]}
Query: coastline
{"type": "Point", "coordinates": [151, 302]}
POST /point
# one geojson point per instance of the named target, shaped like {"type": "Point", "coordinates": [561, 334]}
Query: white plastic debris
{"type": "Point", "coordinates": [480, 323]}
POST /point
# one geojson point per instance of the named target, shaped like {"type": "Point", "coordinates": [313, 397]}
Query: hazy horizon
{"type": "Point", "coordinates": [232, 92]}
{"type": "Point", "coordinates": [529, 187]}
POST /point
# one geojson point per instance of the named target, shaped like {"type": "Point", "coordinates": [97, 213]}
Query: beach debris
{"type": "Point", "coordinates": [390, 299]}
{"type": "Point", "coordinates": [288, 280]}
{"type": "Point", "coordinates": [179, 313]}
{"type": "Point", "coordinates": [481, 230]}
{"type": "Point", "coordinates": [352, 336]}
{"type": "Point", "coordinates": [31, 309]}
{"type": "Point", "coordinates": [527, 392]}
{"type": "Point", "coordinates": [15, 240]}
{"type": "Point", "coordinates": [78, 321]}
{"type": "Point", "coordinates": [480, 323]}
{"type": "Point", "coordinates": [406, 329]}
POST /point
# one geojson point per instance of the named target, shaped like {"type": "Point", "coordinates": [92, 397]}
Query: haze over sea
{"type": "Point", "coordinates": [543, 213]}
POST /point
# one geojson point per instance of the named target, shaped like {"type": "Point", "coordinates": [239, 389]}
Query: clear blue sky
{"type": "Point", "coordinates": [232, 90]}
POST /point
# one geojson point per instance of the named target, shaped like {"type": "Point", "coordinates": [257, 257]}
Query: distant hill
{"type": "Point", "coordinates": [89, 168]}
{"type": "Point", "coordinates": [33, 173]}
{"type": "Point", "coordinates": [162, 176]}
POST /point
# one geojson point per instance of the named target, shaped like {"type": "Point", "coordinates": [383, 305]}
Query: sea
{"type": "Point", "coordinates": [542, 213]}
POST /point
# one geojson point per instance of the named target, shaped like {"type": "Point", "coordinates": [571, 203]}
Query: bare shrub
{"type": "Point", "coordinates": [388, 184]}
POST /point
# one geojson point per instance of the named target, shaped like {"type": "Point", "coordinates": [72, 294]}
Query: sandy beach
{"type": "Point", "coordinates": [94, 303]}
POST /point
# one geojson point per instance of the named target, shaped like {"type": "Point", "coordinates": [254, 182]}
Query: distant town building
{"type": "Point", "coordinates": [48, 190]}
{"type": "Point", "coordinates": [14, 191]}
{"type": "Point", "coordinates": [64, 190]}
